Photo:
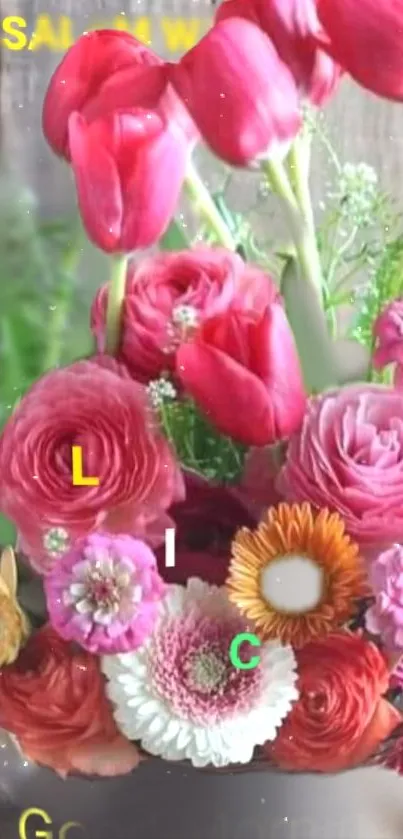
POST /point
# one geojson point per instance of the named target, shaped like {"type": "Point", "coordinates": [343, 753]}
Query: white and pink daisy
{"type": "Point", "coordinates": [104, 593]}
{"type": "Point", "coordinates": [181, 696]}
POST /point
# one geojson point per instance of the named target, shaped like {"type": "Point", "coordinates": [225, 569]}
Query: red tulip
{"type": "Point", "coordinates": [291, 25]}
{"type": "Point", "coordinates": [240, 94]}
{"type": "Point", "coordinates": [242, 370]}
{"type": "Point", "coordinates": [366, 36]}
{"type": "Point", "coordinates": [102, 71]}
{"type": "Point", "coordinates": [129, 168]}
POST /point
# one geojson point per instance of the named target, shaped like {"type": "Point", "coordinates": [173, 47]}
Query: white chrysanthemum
{"type": "Point", "coordinates": [181, 696]}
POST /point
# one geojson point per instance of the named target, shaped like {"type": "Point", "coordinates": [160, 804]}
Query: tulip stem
{"type": "Point", "coordinates": [202, 200]}
{"type": "Point", "coordinates": [300, 217]}
{"type": "Point", "coordinates": [116, 295]}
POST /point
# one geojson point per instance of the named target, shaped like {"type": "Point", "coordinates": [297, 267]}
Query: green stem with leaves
{"type": "Point", "coordinates": [116, 295]}
{"type": "Point", "coordinates": [300, 215]}
{"type": "Point", "coordinates": [200, 197]}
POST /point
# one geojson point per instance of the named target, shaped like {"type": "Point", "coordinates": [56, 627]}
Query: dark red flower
{"type": "Point", "coordinates": [205, 523]}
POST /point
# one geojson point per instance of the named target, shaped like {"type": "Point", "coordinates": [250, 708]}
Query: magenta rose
{"type": "Point", "coordinates": [348, 456]}
{"type": "Point", "coordinates": [205, 523]}
{"type": "Point", "coordinates": [169, 294]}
{"type": "Point", "coordinates": [96, 405]}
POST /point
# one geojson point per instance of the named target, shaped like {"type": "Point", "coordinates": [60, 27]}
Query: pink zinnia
{"type": "Point", "coordinates": [385, 617]}
{"type": "Point", "coordinates": [104, 593]}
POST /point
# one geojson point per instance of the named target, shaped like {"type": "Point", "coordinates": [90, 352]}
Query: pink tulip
{"type": "Point", "coordinates": [365, 37]}
{"type": "Point", "coordinates": [104, 70]}
{"type": "Point", "coordinates": [241, 96]}
{"type": "Point", "coordinates": [243, 372]}
{"type": "Point", "coordinates": [291, 25]}
{"type": "Point", "coordinates": [129, 169]}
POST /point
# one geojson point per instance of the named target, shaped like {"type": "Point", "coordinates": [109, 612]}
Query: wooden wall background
{"type": "Point", "coordinates": [363, 128]}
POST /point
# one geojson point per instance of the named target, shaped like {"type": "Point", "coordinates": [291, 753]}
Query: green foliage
{"type": "Point", "coordinates": [198, 445]}
{"type": "Point", "coordinates": [174, 239]}
{"type": "Point", "coordinates": [387, 284]}
{"type": "Point", "coordinates": [36, 267]}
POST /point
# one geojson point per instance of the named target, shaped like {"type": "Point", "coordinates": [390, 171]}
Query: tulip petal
{"type": "Point", "coordinates": [151, 192]}
{"type": "Point", "coordinates": [102, 69]}
{"type": "Point", "coordinates": [97, 183]}
{"type": "Point", "coordinates": [291, 26]}
{"type": "Point", "coordinates": [365, 37]}
{"type": "Point", "coordinates": [104, 158]}
{"type": "Point", "coordinates": [274, 359]}
{"type": "Point", "coordinates": [241, 96]}
{"type": "Point", "coordinates": [233, 399]}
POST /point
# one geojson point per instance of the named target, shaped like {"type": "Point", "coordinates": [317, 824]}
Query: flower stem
{"type": "Point", "coordinates": [300, 215]}
{"type": "Point", "coordinates": [116, 294]}
{"type": "Point", "coordinates": [201, 198]}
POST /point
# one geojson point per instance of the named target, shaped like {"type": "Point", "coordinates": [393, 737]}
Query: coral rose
{"type": "Point", "coordinates": [205, 524]}
{"type": "Point", "coordinates": [348, 456]}
{"type": "Point", "coordinates": [170, 293]}
{"type": "Point", "coordinates": [340, 718]}
{"type": "Point", "coordinates": [53, 700]}
{"type": "Point", "coordinates": [93, 404]}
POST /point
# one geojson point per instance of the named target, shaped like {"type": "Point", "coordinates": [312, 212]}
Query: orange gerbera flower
{"type": "Point", "coordinates": [295, 544]}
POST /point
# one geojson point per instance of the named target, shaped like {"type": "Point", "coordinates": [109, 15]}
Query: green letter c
{"type": "Point", "coordinates": [234, 651]}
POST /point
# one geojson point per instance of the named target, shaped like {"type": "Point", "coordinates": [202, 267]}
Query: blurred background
{"type": "Point", "coordinates": [48, 276]}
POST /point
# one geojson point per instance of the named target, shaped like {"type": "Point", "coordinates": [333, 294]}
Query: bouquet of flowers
{"type": "Point", "coordinates": [219, 407]}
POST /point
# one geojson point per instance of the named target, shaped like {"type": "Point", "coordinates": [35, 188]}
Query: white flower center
{"type": "Point", "coordinates": [186, 316]}
{"type": "Point", "coordinates": [292, 583]}
{"type": "Point", "coordinates": [56, 541]}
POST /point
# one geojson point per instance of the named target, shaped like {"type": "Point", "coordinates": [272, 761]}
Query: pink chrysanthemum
{"type": "Point", "coordinates": [104, 593]}
{"type": "Point", "coordinates": [181, 695]}
{"type": "Point", "coordinates": [385, 617]}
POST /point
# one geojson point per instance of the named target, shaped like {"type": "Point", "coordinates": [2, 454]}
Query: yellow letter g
{"type": "Point", "coordinates": [39, 834]}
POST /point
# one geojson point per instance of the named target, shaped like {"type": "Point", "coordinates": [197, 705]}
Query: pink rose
{"type": "Point", "coordinates": [348, 456]}
{"type": "Point", "coordinates": [385, 617]}
{"type": "Point", "coordinates": [388, 334]}
{"type": "Point", "coordinates": [96, 405]}
{"type": "Point", "coordinates": [168, 294]}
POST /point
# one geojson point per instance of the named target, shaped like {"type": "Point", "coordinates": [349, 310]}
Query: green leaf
{"type": "Point", "coordinates": [7, 532]}
{"type": "Point", "coordinates": [174, 239]}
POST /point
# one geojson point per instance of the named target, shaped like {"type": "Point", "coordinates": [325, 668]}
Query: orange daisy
{"type": "Point", "coordinates": [294, 547]}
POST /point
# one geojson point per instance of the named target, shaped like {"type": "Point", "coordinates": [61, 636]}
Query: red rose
{"type": "Point", "coordinates": [167, 289]}
{"type": "Point", "coordinates": [96, 405]}
{"type": "Point", "coordinates": [205, 524]}
{"type": "Point", "coordinates": [340, 717]}
{"type": "Point", "coordinates": [53, 700]}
